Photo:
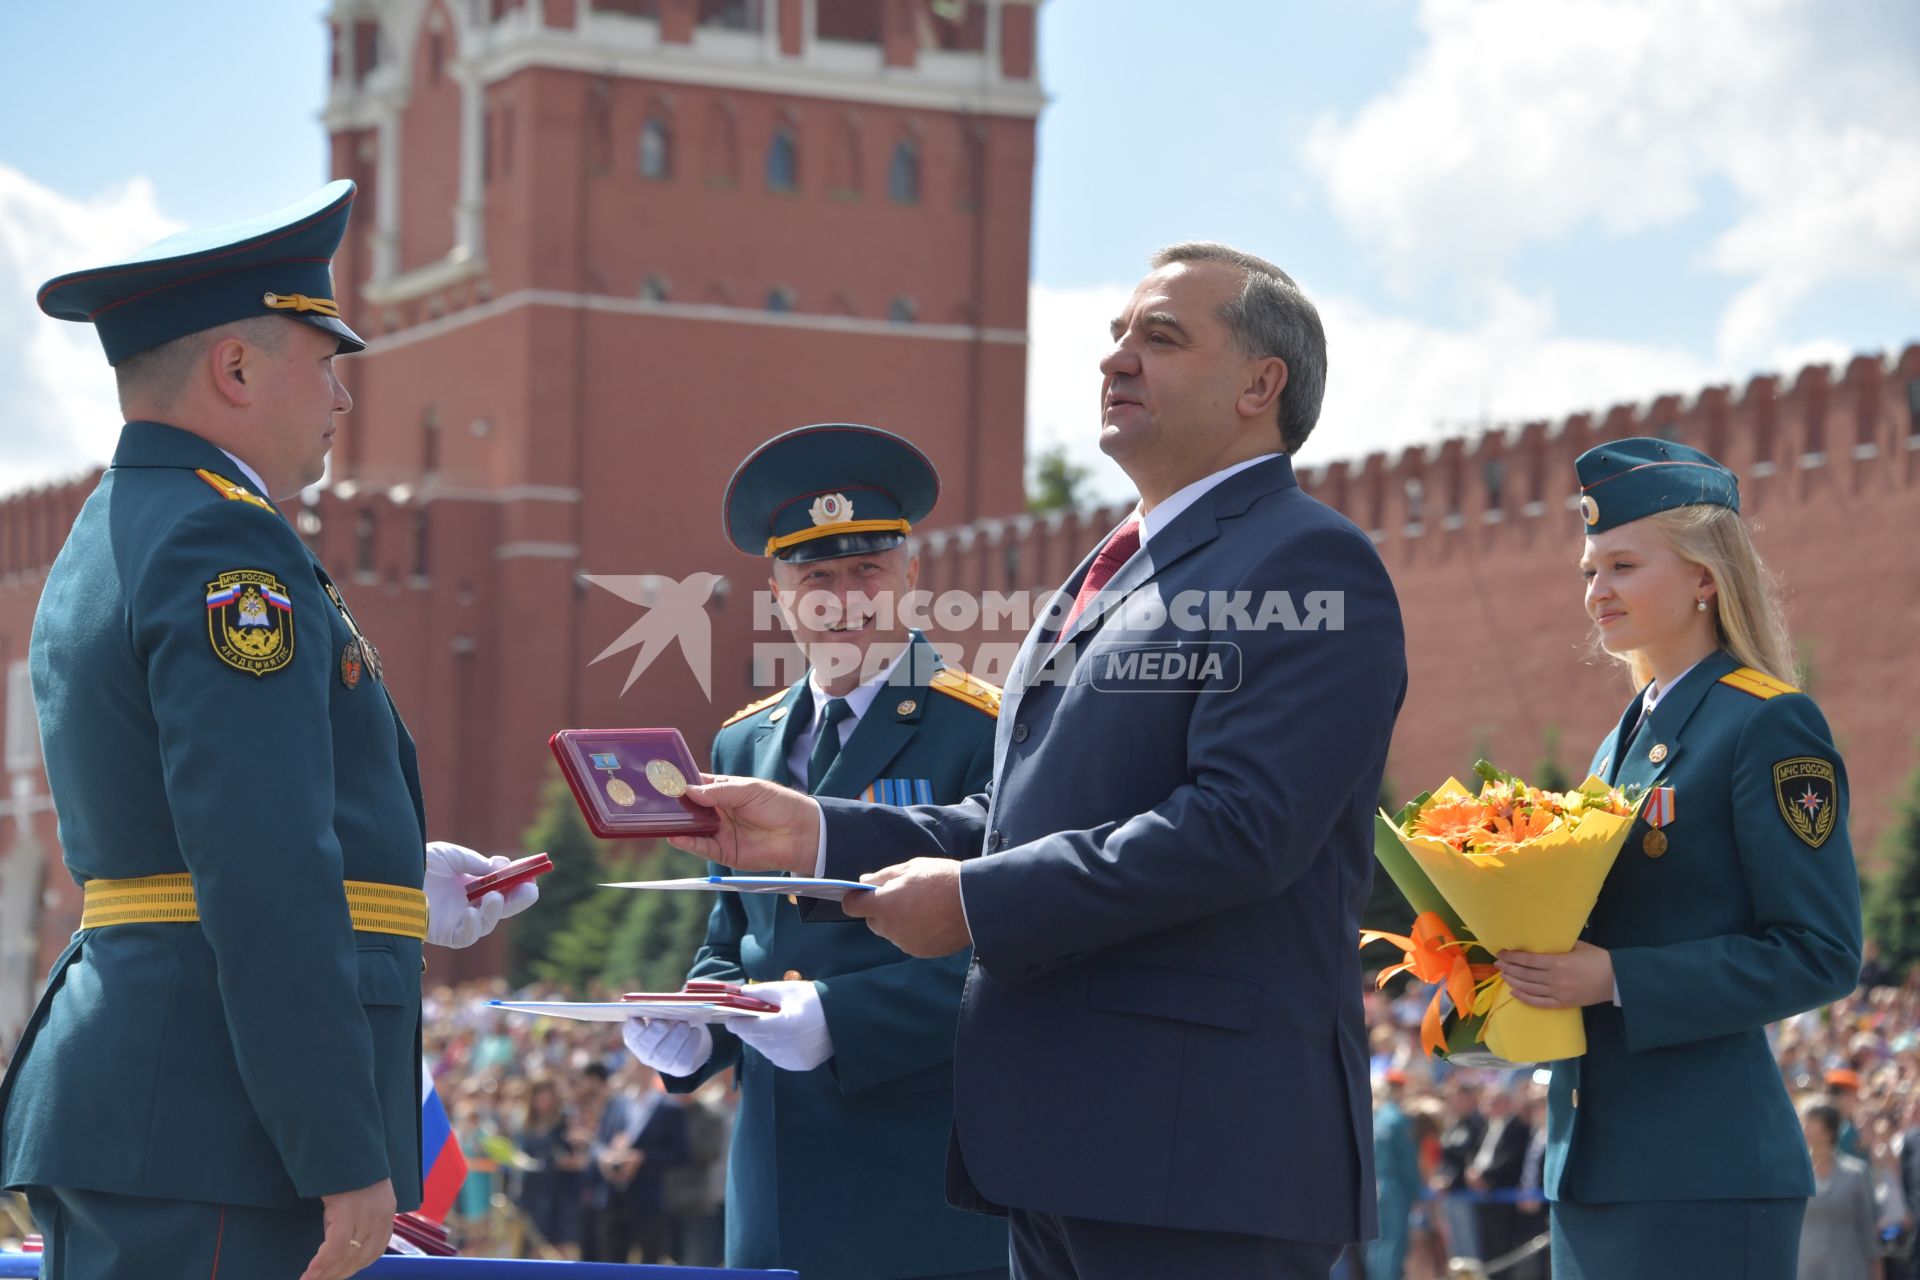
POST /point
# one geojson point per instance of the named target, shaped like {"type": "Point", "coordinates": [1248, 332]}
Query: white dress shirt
{"type": "Point", "coordinates": [1165, 511]}
{"type": "Point", "coordinates": [801, 752]}
{"type": "Point", "coordinates": [250, 474]}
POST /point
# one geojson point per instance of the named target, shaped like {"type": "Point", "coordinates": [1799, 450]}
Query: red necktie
{"type": "Point", "coordinates": [1116, 551]}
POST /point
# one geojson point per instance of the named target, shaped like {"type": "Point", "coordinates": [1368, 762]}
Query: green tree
{"type": "Point", "coordinates": [657, 933]}
{"type": "Point", "coordinates": [1893, 900]}
{"type": "Point", "coordinates": [1550, 774]}
{"type": "Point", "coordinates": [1057, 481]}
{"type": "Point", "coordinates": [559, 831]}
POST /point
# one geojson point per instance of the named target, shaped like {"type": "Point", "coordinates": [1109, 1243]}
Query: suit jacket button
{"type": "Point", "coordinates": [1576, 1099]}
{"type": "Point", "coordinates": [1020, 732]}
{"type": "Point", "coordinates": [791, 975]}
{"type": "Point", "coordinates": [995, 842]}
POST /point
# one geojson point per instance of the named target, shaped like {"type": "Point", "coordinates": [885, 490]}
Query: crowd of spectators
{"type": "Point", "coordinates": [573, 1148]}
{"type": "Point", "coordinates": [577, 1152]}
{"type": "Point", "coordinates": [1460, 1151]}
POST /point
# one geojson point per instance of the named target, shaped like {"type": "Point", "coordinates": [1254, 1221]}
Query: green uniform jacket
{"type": "Point", "coordinates": [268, 1054]}
{"type": "Point", "coordinates": [1748, 915]}
{"type": "Point", "coordinates": [840, 1171]}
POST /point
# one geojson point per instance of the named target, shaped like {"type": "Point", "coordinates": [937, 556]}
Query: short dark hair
{"type": "Point", "coordinates": [1271, 317]}
{"type": "Point", "coordinates": [596, 1070]}
{"type": "Point", "coordinates": [159, 374]}
{"type": "Point", "coordinates": [1826, 1115]}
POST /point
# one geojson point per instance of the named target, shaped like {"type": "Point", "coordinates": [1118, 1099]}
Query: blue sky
{"type": "Point", "coordinates": [1505, 208]}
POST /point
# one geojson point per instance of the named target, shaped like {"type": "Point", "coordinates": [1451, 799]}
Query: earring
{"type": "Point", "coordinates": [1700, 605]}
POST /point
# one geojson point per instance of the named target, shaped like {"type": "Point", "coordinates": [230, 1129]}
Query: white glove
{"type": "Point", "coordinates": [452, 921]}
{"type": "Point", "coordinates": [669, 1046]}
{"type": "Point", "coordinates": [794, 1039]}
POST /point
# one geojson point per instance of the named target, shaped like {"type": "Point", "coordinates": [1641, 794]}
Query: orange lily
{"type": "Point", "coordinates": [1434, 954]}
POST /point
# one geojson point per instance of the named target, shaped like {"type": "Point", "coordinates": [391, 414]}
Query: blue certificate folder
{"type": "Point", "coordinates": [27, 1265]}
{"type": "Point", "coordinates": [803, 886]}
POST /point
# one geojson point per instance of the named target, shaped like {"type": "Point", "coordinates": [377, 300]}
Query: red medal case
{"type": "Point", "coordinates": [616, 776]}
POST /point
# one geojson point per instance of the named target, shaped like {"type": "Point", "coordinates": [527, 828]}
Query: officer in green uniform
{"type": "Point", "coordinates": [1673, 1150]}
{"type": "Point", "coordinates": [840, 1146]}
{"type": "Point", "coordinates": [223, 1075]}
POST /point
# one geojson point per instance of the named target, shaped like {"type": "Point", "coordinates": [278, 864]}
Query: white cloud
{"type": "Point", "coordinates": [1523, 120]}
{"type": "Point", "coordinates": [58, 411]}
{"type": "Point", "coordinates": [1066, 336]}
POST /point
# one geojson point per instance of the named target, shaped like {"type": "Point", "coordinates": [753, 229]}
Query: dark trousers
{"type": "Point", "coordinates": [1677, 1239]}
{"type": "Point", "coordinates": [1047, 1246]}
{"type": "Point", "coordinates": [92, 1235]}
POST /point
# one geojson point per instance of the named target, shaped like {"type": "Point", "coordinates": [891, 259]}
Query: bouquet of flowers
{"type": "Point", "coordinates": [1516, 866]}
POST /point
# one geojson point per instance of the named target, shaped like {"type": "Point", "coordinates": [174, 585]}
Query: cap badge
{"type": "Point", "coordinates": [831, 508]}
{"type": "Point", "coordinates": [1589, 509]}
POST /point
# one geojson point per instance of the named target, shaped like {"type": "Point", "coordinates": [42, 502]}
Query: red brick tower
{"type": "Point", "coordinates": [601, 250]}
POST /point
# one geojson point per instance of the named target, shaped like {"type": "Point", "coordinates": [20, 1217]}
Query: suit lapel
{"type": "Point", "coordinates": [774, 735]}
{"type": "Point", "coordinates": [885, 729]}
{"type": "Point", "coordinates": [1659, 734]}
{"type": "Point", "coordinates": [1192, 529]}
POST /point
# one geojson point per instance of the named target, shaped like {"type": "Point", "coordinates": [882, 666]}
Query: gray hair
{"type": "Point", "coordinates": [156, 377]}
{"type": "Point", "coordinates": [1271, 317]}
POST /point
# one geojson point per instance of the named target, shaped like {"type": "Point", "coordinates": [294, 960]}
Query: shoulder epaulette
{"type": "Point", "coordinates": [971, 690]}
{"type": "Point", "coordinates": [752, 707]}
{"type": "Point", "coordinates": [233, 492]}
{"type": "Point", "coordinates": [1758, 683]}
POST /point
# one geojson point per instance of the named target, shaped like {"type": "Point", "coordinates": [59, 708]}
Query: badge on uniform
{"type": "Point", "coordinates": [1805, 788]}
{"type": "Point", "coordinates": [1658, 811]}
{"type": "Point", "coordinates": [899, 791]}
{"type": "Point", "coordinates": [250, 621]}
{"type": "Point", "coordinates": [350, 664]}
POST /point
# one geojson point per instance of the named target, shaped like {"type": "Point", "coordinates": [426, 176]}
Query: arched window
{"type": "Point", "coordinates": [780, 299]}
{"type": "Point", "coordinates": [903, 175]}
{"type": "Point", "coordinates": [903, 310]}
{"type": "Point", "coordinates": [656, 288]}
{"type": "Point", "coordinates": [656, 149]}
{"type": "Point", "coordinates": [722, 149]}
{"type": "Point", "coordinates": [783, 161]}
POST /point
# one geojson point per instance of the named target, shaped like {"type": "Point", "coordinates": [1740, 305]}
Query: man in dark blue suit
{"type": "Point", "coordinates": [1162, 882]}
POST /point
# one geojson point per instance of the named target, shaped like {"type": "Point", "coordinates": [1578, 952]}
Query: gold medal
{"type": "Point", "coordinates": [666, 778]}
{"type": "Point", "coordinates": [620, 792]}
{"type": "Point", "coordinates": [1654, 843]}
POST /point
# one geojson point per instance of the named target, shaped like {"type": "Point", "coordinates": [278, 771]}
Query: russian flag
{"type": "Point", "coordinates": [445, 1165]}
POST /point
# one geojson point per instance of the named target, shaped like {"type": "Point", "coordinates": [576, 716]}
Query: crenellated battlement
{"type": "Point", "coordinates": [1813, 440]}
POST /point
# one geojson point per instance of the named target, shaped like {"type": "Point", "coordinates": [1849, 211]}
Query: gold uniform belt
{"type": "Point", "coordinates": [168, 899]}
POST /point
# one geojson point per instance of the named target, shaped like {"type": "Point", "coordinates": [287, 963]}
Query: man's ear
{"type": "Point", "coordinates": [1260, 393]}
{"type": "Point", "coordinates": [230, 359]}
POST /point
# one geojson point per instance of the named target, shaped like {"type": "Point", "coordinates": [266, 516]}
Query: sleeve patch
{"type": "Point", "coordinates": [250, 621]}
{"type": "Point", "coordinates": [1808, 796]}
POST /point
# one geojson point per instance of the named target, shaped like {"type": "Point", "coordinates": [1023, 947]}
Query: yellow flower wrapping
{"type": "Point", "coordinates": [1534, 896]}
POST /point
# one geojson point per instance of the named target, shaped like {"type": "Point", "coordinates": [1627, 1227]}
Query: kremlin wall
{"type": "Point", "coordinates": [601, 249]}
